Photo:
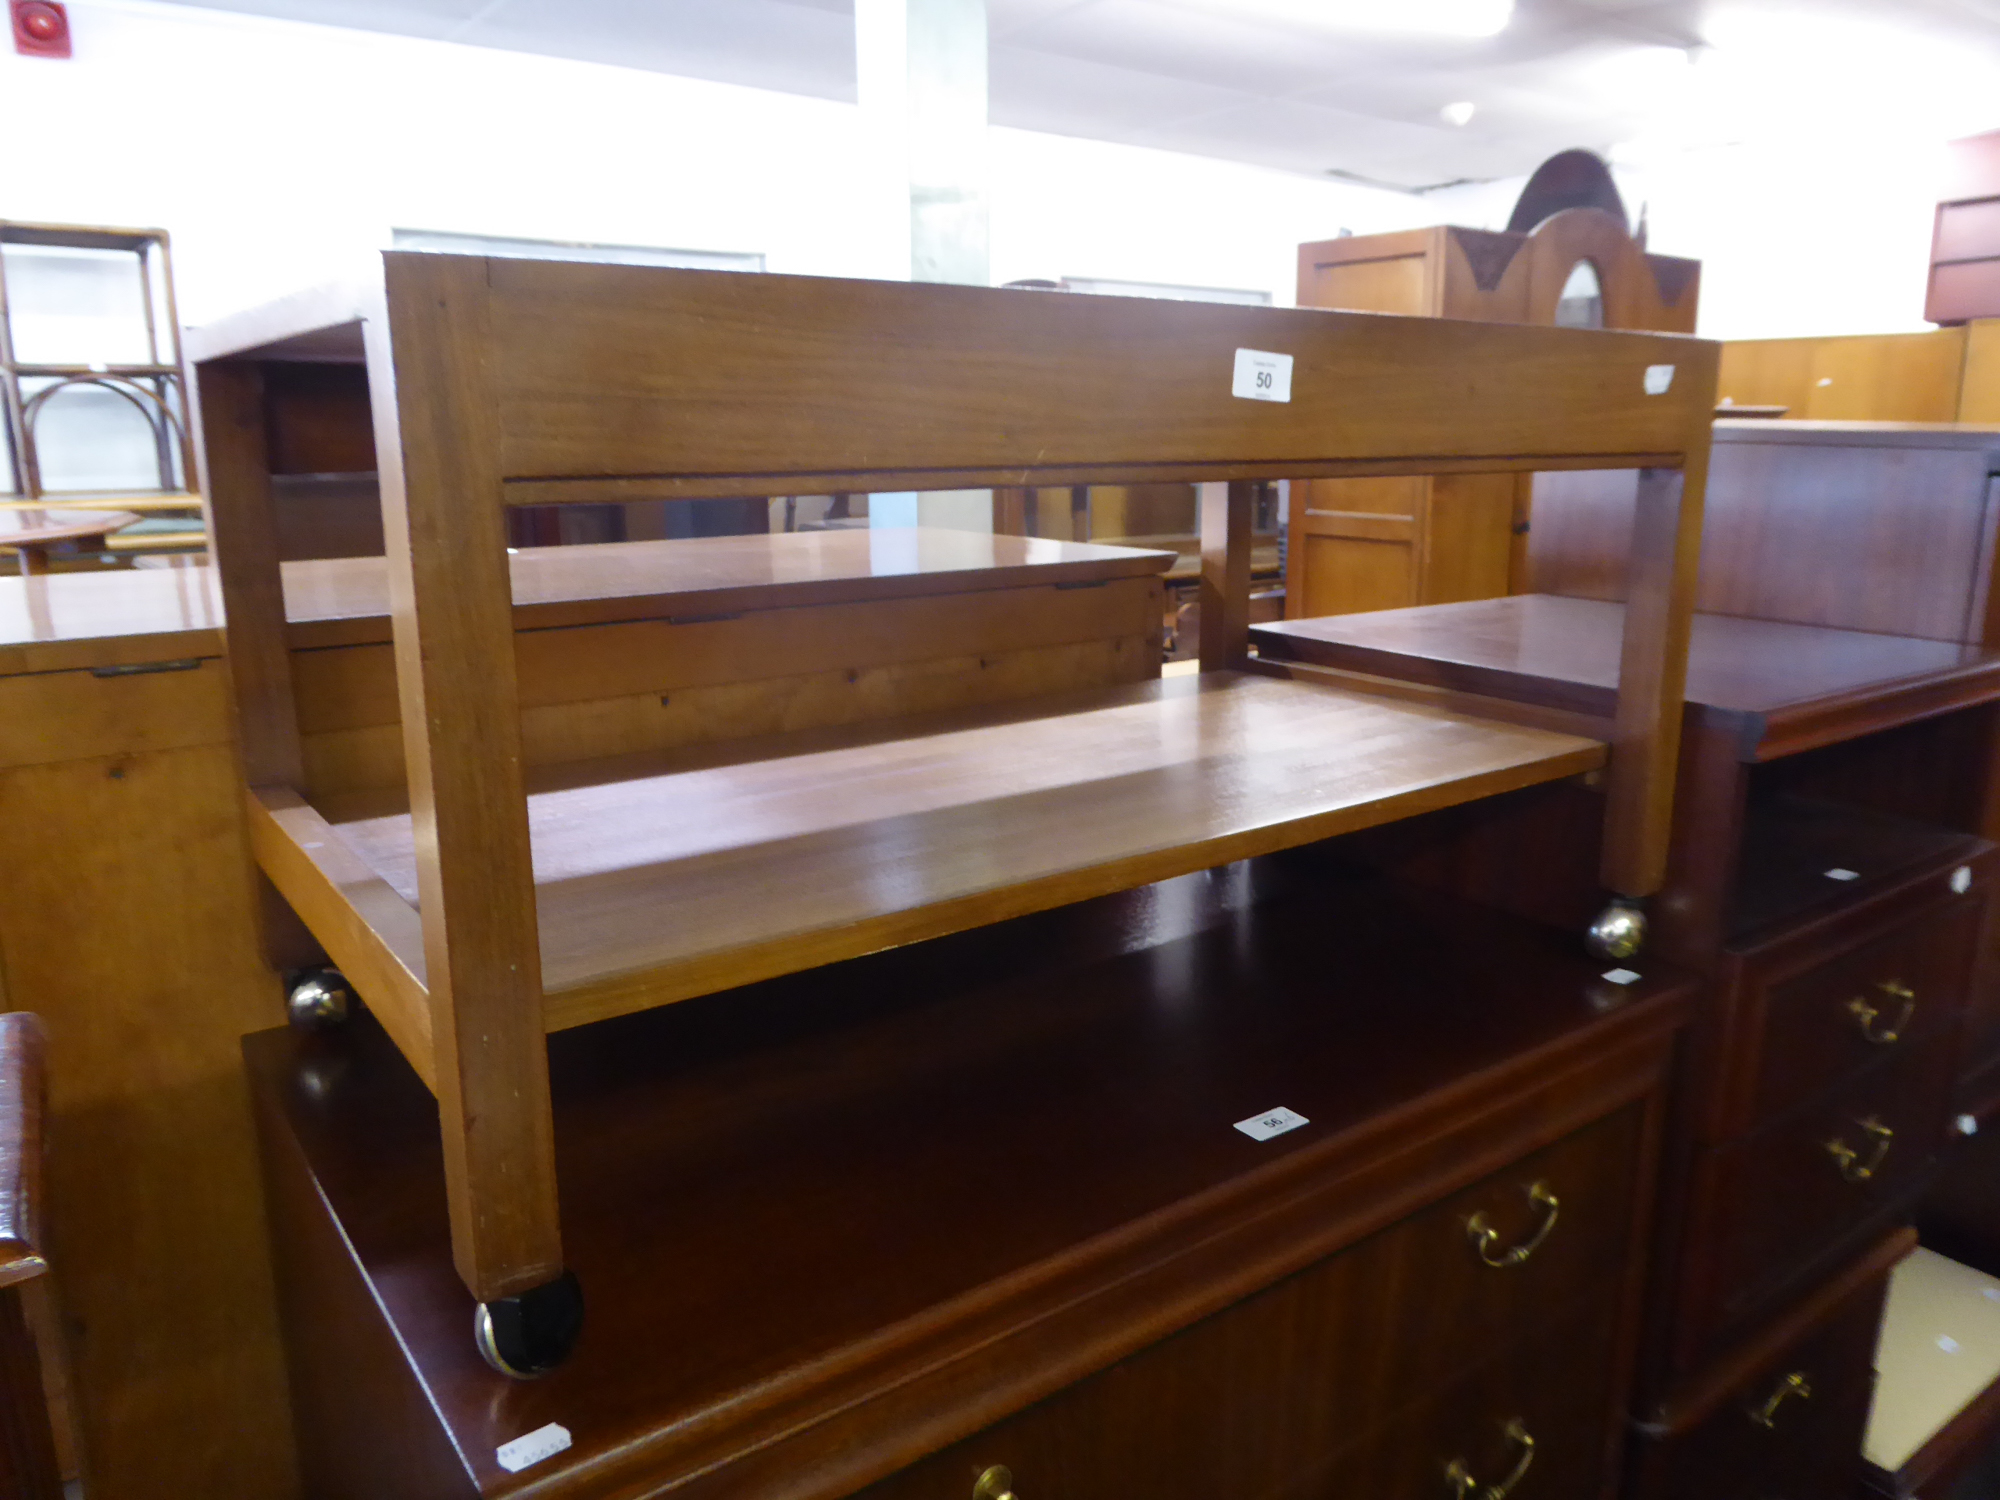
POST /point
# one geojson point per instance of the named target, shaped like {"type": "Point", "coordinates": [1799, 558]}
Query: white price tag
{"type": "Point", "coordinates": [1261, 376]}
{"type": "Point", "coordinates": [1843, 874]}
{"type": "Point", "coordinates": [1659, 379]}
{"type": "Point", "coordinates": [1622, 976]}
{"type": "Point", "coordinates": [1274, 1122]}
{"type": "Point", "coordinates": [523, 1452]}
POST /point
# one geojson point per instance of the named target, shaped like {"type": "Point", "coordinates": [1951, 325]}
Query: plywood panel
{"type": "Point", "coordinates": [1875, 529]}
{"type": "Point", "coordinates": [351, 686]}
{"type": "Point", "coordinates": [1468, 537]}
{"type": "Point", "coordinates": [57, 716]}
{"type": "Point", "coordinates": [346, 760]}
{"type": "Point", "coordinates": [1345, 574]}
{"type": "Point", "coordinates": [1901, 377]}
{"type": "Point", "coordinates": [129, 925]}
{"type": "Point", "coordinates": [1979, 387]}
{"type": "Point", "coordinates": [1395, 284]}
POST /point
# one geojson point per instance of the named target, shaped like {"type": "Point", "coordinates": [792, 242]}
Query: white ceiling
{"type": "Point", "coordinates": [1215, 78]}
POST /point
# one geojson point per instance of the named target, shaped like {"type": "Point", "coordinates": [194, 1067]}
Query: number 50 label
{"type": "Point", "coordinates": [1261, 376]}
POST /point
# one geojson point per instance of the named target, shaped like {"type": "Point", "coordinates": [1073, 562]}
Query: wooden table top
{"type": "Point", "coordinates": [783, 1200]}
{"type": "Point", "coordinates": [82, 619]}
{"type": "Point", "coordinates": [1785, 681]}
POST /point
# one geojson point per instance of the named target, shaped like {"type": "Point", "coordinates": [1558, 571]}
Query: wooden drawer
{"type": "Point", "coordinates": [1808, 1028]}
{"type": "Point", "coordinates": [1759, 1434]}
{"type": "Point", "coordinates": [1545, 1410]}
{"type": "Point", "coordinates": [1543, 1414]}
{"type": "Point", "coordinates": [1383, 1357]}
{"type": "Point", "coordinates": [1779, 1205]}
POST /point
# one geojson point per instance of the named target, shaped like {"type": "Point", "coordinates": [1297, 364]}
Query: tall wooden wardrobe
{"type": "Point", "coordinates": [1566, 257]}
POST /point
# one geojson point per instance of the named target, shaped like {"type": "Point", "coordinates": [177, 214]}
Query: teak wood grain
{"type": "Point", "coordinates": [450, 596]}
{"type": "Point", "coordinates": [243, 532]}
{"type": "Point", "coordinates": [744, 382]}
{"type": "Point", "coordinates": [783, 861]}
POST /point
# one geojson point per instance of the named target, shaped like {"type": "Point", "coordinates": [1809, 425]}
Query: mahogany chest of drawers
{"type": "Point", "coordinates": [976, 1218]}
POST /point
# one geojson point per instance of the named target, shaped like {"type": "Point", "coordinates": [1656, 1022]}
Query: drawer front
{"type": "Point", "coordinates": [1795, 1196]}
{"type": "Point", "coordinates": [1846, 1013]}
{"type": "Point", "coordinates": [1791, 1430]}
{"type": "Point", "coordinates": [1540, 1421]}
{"type": "Point", "coordinates": [1258, 1399]}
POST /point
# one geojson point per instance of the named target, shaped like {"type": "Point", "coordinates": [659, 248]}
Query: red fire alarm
{"type": "Point", "coordinates": [41, 28]}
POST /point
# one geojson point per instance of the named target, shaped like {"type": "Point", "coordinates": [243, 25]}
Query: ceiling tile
{"type": "Point", "coordinates": [773, 44]}
{"type": "Point", "coordinates": [1191, 75]}
{"type": "Point", "coordinates": [1034, 90]}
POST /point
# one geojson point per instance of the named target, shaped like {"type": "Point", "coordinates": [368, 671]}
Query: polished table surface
{"type": "Point", "coordinates": [1564, 652]}
{"type": "Point", "coordinates": [85, 619]}
{"type": "Point", "coordinates": [31, 531]}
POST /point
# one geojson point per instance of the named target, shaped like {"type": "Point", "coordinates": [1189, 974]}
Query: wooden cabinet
{"type": "Point", "coordinates": [1366, 544]}
{"type": "Point", "coordinates": [1369, 1372]}
{"type": "Point", "coordinates": [1782, 1420]}
{"type": "Point", "coordinates": [1831, 873]}
{"type": "Point", "coordinates": [1965, 241]}
{"type": "Point", "coordinates": [981, 1203]}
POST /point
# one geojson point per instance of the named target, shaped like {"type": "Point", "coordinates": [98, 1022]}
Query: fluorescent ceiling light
{"type": "Point", "coordinates": [1467, 18]}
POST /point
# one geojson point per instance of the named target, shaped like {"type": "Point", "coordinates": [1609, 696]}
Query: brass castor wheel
{"type": "Point", "coordinates": [1619, 931]}
{"type": "Point", "coordinates": [530, 1334]}
{"type": "Point", "coordinates": [319, 998]}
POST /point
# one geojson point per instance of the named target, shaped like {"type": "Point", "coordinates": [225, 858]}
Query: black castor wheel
{"type": "Point", "coordinates": [319, 998]}
{"type": "Point", "coordinates": [532, 1333]}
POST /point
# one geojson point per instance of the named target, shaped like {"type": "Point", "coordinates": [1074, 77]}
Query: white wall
{"type": "Point", "coordinates": [288, 151]}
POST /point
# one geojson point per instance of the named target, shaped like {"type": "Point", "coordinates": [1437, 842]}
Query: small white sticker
{"type": "Point", "coordinates": [523, 1452]}
{"type": "Point", "coordinates": [1276, 1122]}
{"type": "Point", "coordinates": [1659, 379]}
{"type": "Point", "coordinates": [1947, 1343]}
{"type": "Point", "coordinates": [1961, 879]}
{"type": "Point", "coordinates": [1622, 976]}
{"type": "Point", "coordinates": [1843, 874]}
{"type": "Point", "coordinates": [1261, 376]}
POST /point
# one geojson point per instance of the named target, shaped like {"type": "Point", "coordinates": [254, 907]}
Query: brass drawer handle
{"type": "Point", "coordinates": [1865, 1014]}
{"type": "Point", "coordinates": [1849, 1160]}
{"type": "Point", "coordinates": [997, 1483]}
{"type": "Point", "coordinates": [1485, 1237]}
{"type": "Point", "coordinates": [1794, 1384]}
{"type": "Point", "coordinates": [1465, 1487]}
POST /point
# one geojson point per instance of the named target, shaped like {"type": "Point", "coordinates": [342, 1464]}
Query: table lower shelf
{"type": "Point", "coordinates": [689, 875]}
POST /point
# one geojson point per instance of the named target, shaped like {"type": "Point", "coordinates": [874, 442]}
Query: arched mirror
{"type": "Point", "coordinates": [1581, 304]}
